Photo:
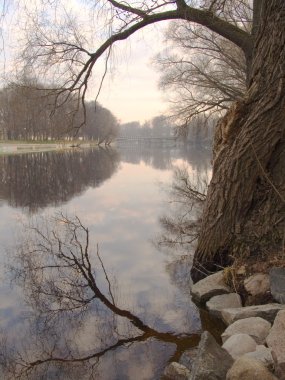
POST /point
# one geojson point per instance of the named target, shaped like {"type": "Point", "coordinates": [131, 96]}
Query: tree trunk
{"type": "Point", "coordinates": [245, 202]}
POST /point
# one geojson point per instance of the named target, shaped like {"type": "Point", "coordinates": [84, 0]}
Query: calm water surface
{"type": "Point", "coordinates": [118, 308]}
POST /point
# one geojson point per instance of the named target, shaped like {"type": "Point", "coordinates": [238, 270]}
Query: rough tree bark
{"type": "Point", "coordinates": [245, 206]}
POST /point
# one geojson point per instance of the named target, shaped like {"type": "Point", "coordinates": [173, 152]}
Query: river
{"type": "Point", "coordinates": [86, 289]}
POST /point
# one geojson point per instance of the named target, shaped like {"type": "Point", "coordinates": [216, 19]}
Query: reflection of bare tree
{"type": "Point", "coordinates": [36, 180]}
{"type": "Point", "coordinates": [180, 226]}
{"type": "Point", "coordinates": [61, 280]}
{"type": "Point", "coordinates": [187, 194]}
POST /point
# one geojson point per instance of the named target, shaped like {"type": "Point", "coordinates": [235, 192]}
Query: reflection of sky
{"type": "Point", "coordinates": [122, 216]}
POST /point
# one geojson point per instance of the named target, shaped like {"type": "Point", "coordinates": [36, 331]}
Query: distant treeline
{"type": "Point", "coordinates": [198, 130]}
{"type": "Point", "coordinates": [158, 127]}
{"type": "Point", "coordinates": [28, 112]}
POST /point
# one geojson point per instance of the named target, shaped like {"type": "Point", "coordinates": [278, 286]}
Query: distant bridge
{"type": "Point", "coordinates": [145, 139]}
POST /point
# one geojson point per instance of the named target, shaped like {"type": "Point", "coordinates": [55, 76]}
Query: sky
{"type": "Point", "coordinates": [130, 89]}
{"type": "Point", "coordinates": [132, 92]}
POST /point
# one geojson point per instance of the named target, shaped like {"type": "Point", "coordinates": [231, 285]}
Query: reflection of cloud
{"type": "Point", "coordinates": [124, 240]}
{"type": "Point", "coordinates": [12, 312]}
{"type": "Point", "coordinates": [10, 224]}
{"type": "Point", "coordinates": [145, 358]}
{"type": "Point", "coordinates": [182, 163]}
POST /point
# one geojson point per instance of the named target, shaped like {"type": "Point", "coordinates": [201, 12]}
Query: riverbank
{"type": "Point", "coordinates": [253, 342]}
{"type": "Point", "coordinates": [14, 147]}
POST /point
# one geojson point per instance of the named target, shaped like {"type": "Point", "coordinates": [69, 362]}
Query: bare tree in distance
{"type": "Point", "coordinates": [27, 113]}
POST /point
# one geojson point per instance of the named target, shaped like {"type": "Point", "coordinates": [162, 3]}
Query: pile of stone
{"type": "Point", "coordinates": [254, 340]}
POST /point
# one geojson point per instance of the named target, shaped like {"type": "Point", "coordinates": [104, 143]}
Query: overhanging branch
{"type": "Point", "coordinates": [236, 35]}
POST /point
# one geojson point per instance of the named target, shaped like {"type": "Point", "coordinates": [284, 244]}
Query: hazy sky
{"type": "Point", "coordinates": [132, 91]}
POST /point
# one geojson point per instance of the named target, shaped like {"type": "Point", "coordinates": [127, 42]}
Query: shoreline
{"type": "Point", "coordinates": [19, 147]}
{"type": "Point", "coordinates": [253, 341]}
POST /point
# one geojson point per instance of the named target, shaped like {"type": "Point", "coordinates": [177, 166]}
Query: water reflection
{"type": "Point", "coordinates": [187, 193]}
{"type": "Point", "coordinates": [78, 327]}
{"type": "Point", "coordinates": [115, 315]}
{"type": "Point", "coordinates": [181, 222]}
{"type": "Point", "coordinates": [38, 180]}
{"type": "Point", "coordinates": [161, 155]}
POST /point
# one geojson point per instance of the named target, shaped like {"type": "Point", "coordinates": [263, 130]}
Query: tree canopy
{"type": "Point", "coordinates": [56, 46]}
{"type": "Point", "coordinates": [200, 72]}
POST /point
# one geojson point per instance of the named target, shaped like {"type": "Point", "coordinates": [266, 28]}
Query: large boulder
{"type": "Point", "coordinates": [239, 344]}
{"type": "Point", "coordinates": [216, 304]}
{"type": "Point", "coordinates": [209, 287]}
{"type": "Point", "coordinates": [176, 371]}
{"type": "Point", "coordinates": [249, 369]}
{"type": "Point", "coordinates": [212, 361]}
{"type": "Point", "coordinates": [257, 284]}
{"type": "Point", "coordinates": [258, 328]}
{"type": "Point", "coordinates": [263, 354]}
{"type": "Point", "coordinates": [277, 284]}
{"type": "Point", "coordinates": [276, 341]}
{"type": "Point", "coordinates": [267, 312]}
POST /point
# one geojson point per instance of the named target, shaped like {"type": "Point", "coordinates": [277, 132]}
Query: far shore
{"type": "Point", "coordinates": [13, 146]}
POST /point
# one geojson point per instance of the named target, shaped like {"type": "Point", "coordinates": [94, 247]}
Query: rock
{"type": "Point", "coordinates": [224, 301]}
{"type": "Point", "coordinates": [258, 328]}
{"type": "Point", "coordinates": [239, 344]}
{"type": "Point", "coordinates": [262, 354]}
{"type": "Point", "coordinates": [267, 312]}
{"type": "Point", "coordinates": [212, 361]}
{"type": "Point", "coordinates": [188, 357]}
{"type": "Point", "coordinates": [257, 284]}
{"type": "Point", "coordinates": [209, 287]}
{"type": "Point", "coordinates": [176, 371]}
{"type": "Point", "coordinates": [276, 341]}
{"type": "Point", "coordinates": [277, 284]}
{"type": "Point", "coordinates": [249, 369]}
